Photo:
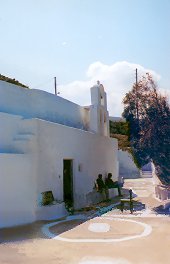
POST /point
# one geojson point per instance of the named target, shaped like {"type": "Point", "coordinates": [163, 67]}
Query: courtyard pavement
{"type": "Point", "coordinates": [96, 236]}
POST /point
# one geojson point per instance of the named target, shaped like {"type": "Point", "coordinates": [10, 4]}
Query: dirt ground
{"type": "Point", "coordinates": [114, 237]}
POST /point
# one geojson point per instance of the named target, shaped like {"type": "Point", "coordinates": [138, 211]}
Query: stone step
{"type": "Point", "coordinates": [146, 174]}
{"type": "Point", "coordinates": [26, 136]}
{"type": "Point", "coordinates": [24, 143]}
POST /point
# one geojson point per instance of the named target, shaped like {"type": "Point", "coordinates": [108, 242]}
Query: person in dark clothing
{"type": "Point", "coordinates": [100, 183]}
{"type": "Point", "coordinates": [101, 187]}
{"type": "Point", "coordinates": [111, 184]}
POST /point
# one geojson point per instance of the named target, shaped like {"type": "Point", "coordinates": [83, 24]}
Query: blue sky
{"type": "Point", "coordinates": [81, 40]}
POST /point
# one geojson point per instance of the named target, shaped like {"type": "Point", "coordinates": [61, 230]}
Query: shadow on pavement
{"type": "Point", "coordinates": [161, 209]}
{"type": "Point", "coordinates": [137, 206]}
{"type": "Point", "coordinates": [33, 231]}
{"type": "Point", "coordinates": [21, 233]}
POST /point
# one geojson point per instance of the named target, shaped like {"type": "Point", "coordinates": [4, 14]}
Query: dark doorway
{"type": "Point", "coordinates": [68, 182]}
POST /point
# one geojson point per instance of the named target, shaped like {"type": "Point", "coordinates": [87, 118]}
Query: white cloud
{"type": "Point", "coordinates": [117, 79]}
{"type": "Point", "coordinates": [64, 43]}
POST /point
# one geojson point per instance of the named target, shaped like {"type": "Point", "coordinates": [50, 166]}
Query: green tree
{"type": "Point", "coordinates": [148, 114]}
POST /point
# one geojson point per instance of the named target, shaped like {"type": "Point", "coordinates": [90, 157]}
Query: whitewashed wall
{"type": "Point", "coordinates": [17, 189]}
{"type": "Point", "coordinates": [162, 192]}
{"type": "Point", "coordinates": [32, 153]}
{"type": "Point", "coordinates": [95, 153]}
{"type": "Point", "coordinates": [18, 170]}
{"type": "Point", "coordinates": [9, 125]}
{"type": "Point", "coordinates": [45, 144]}
{"type": "Point", "coordinates": [32, 103]}
{"type": "Point", "coordinates": [17, 135]}
{"type": "Point", "coordinates": [127, 167]}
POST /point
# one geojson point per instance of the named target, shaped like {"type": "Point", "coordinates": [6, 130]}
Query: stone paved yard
{"type": "Point", "coordinates": [113, 237]}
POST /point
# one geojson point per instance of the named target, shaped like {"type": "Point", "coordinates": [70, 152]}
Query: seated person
{"type": "Point", "coordinates": [111, 184]}
{"type": "Point", "coordinates": [100, 183]}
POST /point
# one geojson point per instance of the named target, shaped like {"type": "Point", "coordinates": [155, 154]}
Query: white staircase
{"type": "Point", "coordinates": [146, 174]}
{"type": "Point", "coordinates": [22, 140]}
{"type": "Point", "coordinates": [23, 143]}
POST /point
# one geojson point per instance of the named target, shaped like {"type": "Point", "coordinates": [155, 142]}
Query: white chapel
{"type": "Point", "coordinates": [51, 145]}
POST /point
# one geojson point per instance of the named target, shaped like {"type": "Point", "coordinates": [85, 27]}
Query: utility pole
{"type": "Point", "coordinates": [55, 85]}
{"type": "Point", "coordinates": [136, 78]}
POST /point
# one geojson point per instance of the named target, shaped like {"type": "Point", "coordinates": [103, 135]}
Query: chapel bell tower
{"type": "Point", "coordinates": [99, 117]}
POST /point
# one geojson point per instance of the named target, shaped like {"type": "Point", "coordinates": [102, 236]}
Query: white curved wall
{"type": "Point", "coordinates": [32, 103]}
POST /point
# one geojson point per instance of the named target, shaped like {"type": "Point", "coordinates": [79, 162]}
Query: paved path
{"type": "Point", "coordinates": [112, 238]}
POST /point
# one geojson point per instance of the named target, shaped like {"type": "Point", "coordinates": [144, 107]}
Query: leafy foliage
{"type": "Point", "coordinates": [120, 127]}
{"type": "Point", "coordinates": [148, 114]}
{"type": "Point", "coordinates": [13, 81]}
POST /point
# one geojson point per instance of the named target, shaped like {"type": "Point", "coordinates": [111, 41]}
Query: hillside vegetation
{"type": "Point", "coordinates": [13, 81]}
{"type": "Point", "coordinates": [120, 131]}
